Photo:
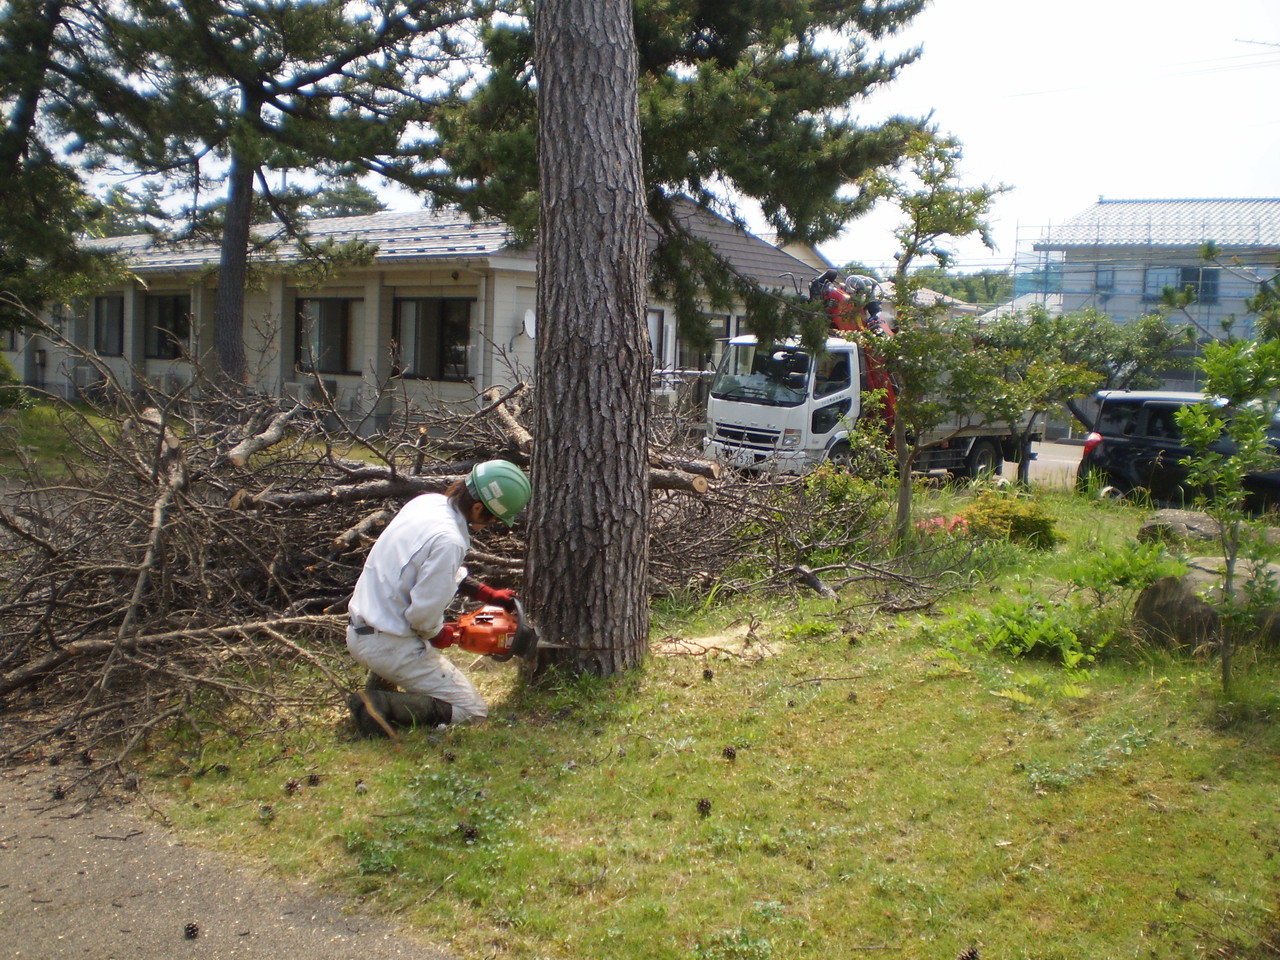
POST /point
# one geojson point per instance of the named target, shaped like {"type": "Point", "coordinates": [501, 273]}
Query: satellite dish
{"type": "Point", "coordinates": [530, 324]}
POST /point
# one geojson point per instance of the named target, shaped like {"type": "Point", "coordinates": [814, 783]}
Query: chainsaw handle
{"type": "Point", "coordinates": [447, 636]}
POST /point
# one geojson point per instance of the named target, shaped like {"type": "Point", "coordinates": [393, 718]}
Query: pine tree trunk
{"type": "Point", "coordinates": [588, 561]}
{"type": "Point", "coordinates": [31, 32]}
{"type": "Point", "coordinates": [232, 270]}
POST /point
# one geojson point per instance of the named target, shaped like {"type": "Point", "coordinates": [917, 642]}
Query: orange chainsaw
{"type": "Point", "coordinates": [491, 631]}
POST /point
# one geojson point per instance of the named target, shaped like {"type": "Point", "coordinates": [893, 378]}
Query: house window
{"type": "Point", "coordinates": [700, 358]}
{"type": "Point", "coordinates": [108, 326]}
{"type": "Point", "coordinates": [1206, 284]}
{"type": "Point", "coordinates": [432, 338]}
{"type": "Point", "coordinates": [167, 318]}
{"type": "Point", "coordinates": [11, 339]}
{"type": "Point", "coordinates": [1105, 279]}
{"type": "Point", "coordinates": [657, 321]}
{"type": "Point", "coordinates": [323, 343]}
{"type": "Point", "coordinates": [1203, 281]}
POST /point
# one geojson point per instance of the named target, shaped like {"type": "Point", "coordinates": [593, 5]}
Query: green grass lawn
{"type": "Point", "coordinates": [38, 434]}
{"type": "Point", "coordinates": [795, 779]}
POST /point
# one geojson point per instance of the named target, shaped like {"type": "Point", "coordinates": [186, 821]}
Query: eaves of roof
{"type": "Point", "coordinates": [769, 266]}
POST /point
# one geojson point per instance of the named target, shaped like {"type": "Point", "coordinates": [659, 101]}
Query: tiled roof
{"type": "Point", "coordinates": [1229, 223]}
{"type": "Point", "coordinates": [446, 234]}
{"type": "Point", "coordinates": [886, 292]}
{"type": "Point", "coordinates": [754, 258]}
{"type": "Point", "coordinates": [424, 233]}
{"type": "Point", "coordinates": [419, 235]}
{"type": "Point", "coordinates": [1052, 303]}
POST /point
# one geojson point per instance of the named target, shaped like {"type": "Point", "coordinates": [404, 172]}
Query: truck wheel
{"type": "Point", "coordinates": [984, 460]}
{"type": "Point", "coordinates": [840, 455]}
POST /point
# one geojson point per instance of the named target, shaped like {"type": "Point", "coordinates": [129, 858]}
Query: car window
{"type": "Point", "coordinates": [1161, 423]}
{"type": "Point", "coordinates": [831, 374]}
{"type": "Point", "coordinates": [1118, 419]}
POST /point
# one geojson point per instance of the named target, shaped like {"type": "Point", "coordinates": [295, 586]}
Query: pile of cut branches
{"type": "Point", "coordinates": [196, 542]}
{"type": "Point", "coordinates": [192, 544]}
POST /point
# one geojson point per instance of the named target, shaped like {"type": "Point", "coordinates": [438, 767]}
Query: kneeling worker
{"type": "Point", "coordinates": [409, 578]}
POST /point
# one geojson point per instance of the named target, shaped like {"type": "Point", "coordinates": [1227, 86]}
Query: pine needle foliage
{"type": "Point", "coordinates": [752, 100]}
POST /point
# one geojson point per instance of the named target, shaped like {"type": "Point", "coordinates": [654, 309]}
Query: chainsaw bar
{"type": "Point", "coordinates": [527, 641]}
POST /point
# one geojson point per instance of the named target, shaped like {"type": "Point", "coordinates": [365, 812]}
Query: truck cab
{"type": "Point", "coordinates": [778, 407]}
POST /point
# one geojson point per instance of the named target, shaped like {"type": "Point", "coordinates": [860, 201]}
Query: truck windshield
{"type": "Point", "coordinates": [772, 375]}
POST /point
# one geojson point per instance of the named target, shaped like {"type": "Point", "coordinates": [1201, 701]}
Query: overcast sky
{"type": "Point", "coordinates": [1066, 102]}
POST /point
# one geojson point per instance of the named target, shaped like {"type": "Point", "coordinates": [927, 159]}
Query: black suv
{"type": "Point", "coordinates": [1136, 445]}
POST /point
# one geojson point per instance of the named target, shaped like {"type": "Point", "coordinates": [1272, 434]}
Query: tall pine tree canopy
{"type": "Point", "coordinates": [751, 100]}
{"type": "Point", "coordinates": [213, 95]}
{"type": "Point", "coordinates": [46, 203]}
{"type": "Point", "coordinates": [185, 87]}
{"type": "Point", "coordinates": [744, 106]}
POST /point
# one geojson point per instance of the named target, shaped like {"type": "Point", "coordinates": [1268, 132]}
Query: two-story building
{"type": "Point", "coordinates": [1121, 255]}
{"type": "Point", "coordinates": [446, 308]}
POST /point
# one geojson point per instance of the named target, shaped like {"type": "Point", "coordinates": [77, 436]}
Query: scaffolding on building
{"type": "Point", "coordinates": [1124, 274]}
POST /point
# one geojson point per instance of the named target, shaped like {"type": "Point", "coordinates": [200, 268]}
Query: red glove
{"type": "Point", "coordinates": [447, 636]}
{"type": "Point", "coordinates": [497, 597]}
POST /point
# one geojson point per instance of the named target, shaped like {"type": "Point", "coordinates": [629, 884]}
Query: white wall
{"type": "Point", "coordinates": [1113, 280]}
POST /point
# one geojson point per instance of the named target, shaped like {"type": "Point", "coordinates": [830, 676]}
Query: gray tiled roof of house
{"type": "Point", "coordinates": [1229, 223]}
{"type": "Point", "coordinates": [1052, 303]}
{"type": "Point", "coordinates": [423, 233]}
{"type": "Point", "coordinates": [418, 235]}
{"type": "Point", "coordinates": [447, 234]}
{"type": "Point", "coordinates": [754, 258]}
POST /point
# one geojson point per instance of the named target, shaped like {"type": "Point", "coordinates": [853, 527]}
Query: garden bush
{"type": "Point", "coordinates": [1016, 517]}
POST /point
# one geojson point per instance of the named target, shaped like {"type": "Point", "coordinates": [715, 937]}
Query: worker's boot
{"type": "Point", "coordinates": [369, 711]}
{"type": "Point", "coordinates": [376, 682]}
{"type": "Point", "coordinates": [416, 710]}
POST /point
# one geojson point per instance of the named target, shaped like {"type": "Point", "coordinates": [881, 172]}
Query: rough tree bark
{"type": "Point", "coordinates": [587, 567]}
{"type": "Point", "coordinates": [232, 272]}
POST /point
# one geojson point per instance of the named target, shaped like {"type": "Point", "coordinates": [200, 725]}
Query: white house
{"type": "Point", "coordinates": [447, 306]}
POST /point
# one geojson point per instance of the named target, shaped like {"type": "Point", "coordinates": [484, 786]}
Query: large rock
{"type": "Point", "coordinates": [1173, 611]}
{"type": "Point", "coordinates": [1188, 526]}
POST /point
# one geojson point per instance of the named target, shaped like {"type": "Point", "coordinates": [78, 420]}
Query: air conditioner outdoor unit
{"type": "Point", "coordinates": [171, 383]}
{"type": "Point", "coordinates": [317, 395]}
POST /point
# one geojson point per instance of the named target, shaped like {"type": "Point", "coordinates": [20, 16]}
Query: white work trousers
{"type": "Point", "coordinates": [417, 667]}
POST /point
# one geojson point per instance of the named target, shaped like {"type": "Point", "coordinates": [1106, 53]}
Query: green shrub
{"type": "Point", "coordinates": [833, 485]}
{"type": "Point", "coordinates": [12, 394]}
{"type": "Point", "coordinates": [1024, 626]}
{"type": "Point", "coordinates": [836, 507]}
{"type": "Point", "coordinates": [995, 515]}
{"type": "Point", "coordinates": [1073, 630]}
{"type": "Point", "coordinates": [1129, 568]}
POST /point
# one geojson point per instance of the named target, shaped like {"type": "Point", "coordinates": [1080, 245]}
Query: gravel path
{"type": "Point", "coordinates": [109, 884]}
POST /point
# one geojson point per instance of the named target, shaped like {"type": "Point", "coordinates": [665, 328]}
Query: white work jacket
{"type": "Point", "coordinates": [413, 570]}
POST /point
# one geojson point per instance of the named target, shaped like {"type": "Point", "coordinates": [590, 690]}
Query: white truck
{"type": "Point", "coordinates": [775, 407]}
